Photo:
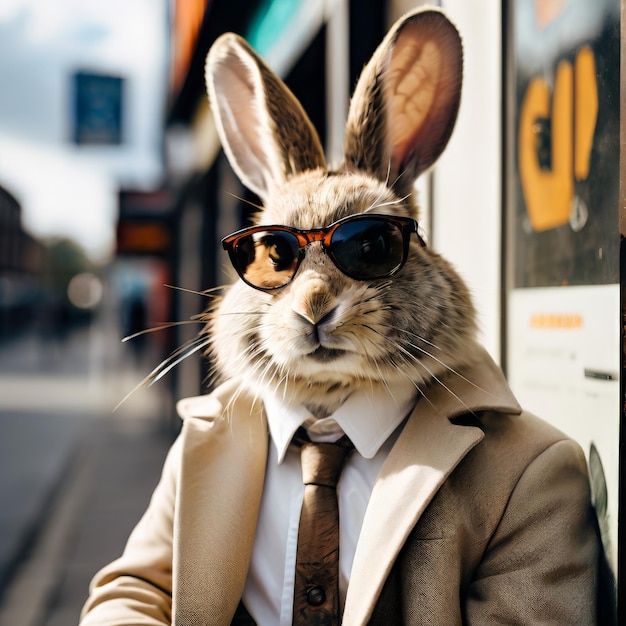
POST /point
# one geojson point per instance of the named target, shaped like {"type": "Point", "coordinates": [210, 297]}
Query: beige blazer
{"type": "Point", "coordinates": [481, 515]}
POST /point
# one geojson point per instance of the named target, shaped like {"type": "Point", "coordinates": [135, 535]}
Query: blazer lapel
{"type": "Point", "coordinates": [428, 449]}
{"type": "Point", "coordinates": [222, 471]}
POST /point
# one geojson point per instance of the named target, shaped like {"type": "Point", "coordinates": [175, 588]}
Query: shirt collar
{"type": "Point", "coordinates": [367, 417]}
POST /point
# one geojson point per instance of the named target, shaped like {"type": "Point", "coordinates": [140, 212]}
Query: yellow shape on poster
{"type": "Point", "coordinates": [549, 187]}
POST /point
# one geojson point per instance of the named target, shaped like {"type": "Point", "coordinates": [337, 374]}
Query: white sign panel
{"type": "Point", "coordinates": [564, 364]}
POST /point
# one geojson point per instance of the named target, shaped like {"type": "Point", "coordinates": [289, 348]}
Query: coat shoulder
{"type": "Point", "coordinates": [230, 398]}
{"type": "Point", "coordinates": [525, 434]}
{"type": "Point", "coordinates": [515, 450]}
{"type": "Point", "coordinates": [482, 483]}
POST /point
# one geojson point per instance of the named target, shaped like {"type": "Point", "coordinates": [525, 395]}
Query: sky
{"type": "Point", "coordinates": [65, 189]}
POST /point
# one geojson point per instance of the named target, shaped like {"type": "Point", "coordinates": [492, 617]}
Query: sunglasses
{"type": "Point", "coordinates": [363, 247]}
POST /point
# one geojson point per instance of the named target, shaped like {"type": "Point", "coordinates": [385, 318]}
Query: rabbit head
{"type": "Point", "coordinates": [324, 335]}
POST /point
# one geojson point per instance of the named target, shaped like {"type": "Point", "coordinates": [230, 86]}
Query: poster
{"type": "Point", "coordinates": [562, 247]}
{"type": "Point", "coordinates": [565, 142]}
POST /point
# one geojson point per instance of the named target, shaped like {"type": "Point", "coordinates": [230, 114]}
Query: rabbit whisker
{"type": "Point", "coordinates": [258, 207]}
{"type": "Point", "coordinates": [394, 202]}
{"type": "Point", "coordinates": [227, 313]}
{"type": "Point", "coordinates": [180, 354]}
{"type": "Point", "coordinates": [206, 293]}
{"type": "Point", "coordinates": [436, 378]}
{"type": "Point", "coordinates": [160, 370]}
{"type": "Point", "coordinates": [411, 358]}
{"type": "Point", "coordinates": [432, 356]}
{"type": "Point", "coordinates": [397, 178]}
{"type": "Point", "coordinates": [160, 326]}
{"type": "Point", "coordinates": [376, 201]}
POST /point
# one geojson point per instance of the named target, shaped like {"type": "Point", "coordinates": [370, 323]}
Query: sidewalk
{"type": "Point", "coordinates": [35, 455]}
{"type": "Point", "coordinates": [104, 491]}
{"type": "Point", "coordinates": [74, 475]}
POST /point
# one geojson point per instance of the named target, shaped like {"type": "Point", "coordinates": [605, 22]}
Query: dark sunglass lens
{"type": "Point", "coordinates": [266, 259]}
{"type": "Point", "coordinates": [368, 248]}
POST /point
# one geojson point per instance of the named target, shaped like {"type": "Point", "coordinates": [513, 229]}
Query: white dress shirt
{"type": "Point", "coordinates": [371, 421]}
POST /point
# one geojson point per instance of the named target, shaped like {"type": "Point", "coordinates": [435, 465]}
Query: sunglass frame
{"type": "Point", "coordinates": [406, 225]}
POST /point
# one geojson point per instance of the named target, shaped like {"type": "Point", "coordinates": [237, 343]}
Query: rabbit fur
{"type": "Point", "coordinates": [324, 335]}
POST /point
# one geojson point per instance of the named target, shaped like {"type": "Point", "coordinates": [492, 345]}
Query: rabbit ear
{"type": "Point", "coordinates": [406, 100]}
{"type": "Point", "coordinates": [264, 130]}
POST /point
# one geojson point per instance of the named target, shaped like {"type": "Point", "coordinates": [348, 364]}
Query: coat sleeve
{"type": "Point", "coordinates": [541, 566]}
{"type": "Point", "coordinates": [137, 587]}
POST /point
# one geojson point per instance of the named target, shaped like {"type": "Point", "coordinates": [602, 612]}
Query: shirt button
{"type": "Point", "coordinates": [316, 596]}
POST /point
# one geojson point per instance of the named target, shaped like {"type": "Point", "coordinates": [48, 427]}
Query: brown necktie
{"type": "Point", "coordinates": [316, 592]}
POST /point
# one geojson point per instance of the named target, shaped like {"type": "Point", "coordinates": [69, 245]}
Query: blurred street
{"type": "Point", "coordinates": [75, 475]}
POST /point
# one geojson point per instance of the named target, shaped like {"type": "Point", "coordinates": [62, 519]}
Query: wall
{"type": "Point", "coordinates": [467, 192]}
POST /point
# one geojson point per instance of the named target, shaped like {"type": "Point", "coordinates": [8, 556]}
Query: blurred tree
{"type": "Point", "coordinates": [63, 259]}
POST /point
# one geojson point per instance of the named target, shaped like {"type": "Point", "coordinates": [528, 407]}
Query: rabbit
{"type": "Point", "coordinates": [326, 335]}
{"type": "Point", "coordinates": [456, 506]}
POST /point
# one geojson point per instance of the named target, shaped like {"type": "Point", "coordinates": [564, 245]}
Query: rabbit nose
{"type": "Point", "coordinates": [319, 321]}
{"type": "Point", "coordinates": [312, 301]}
